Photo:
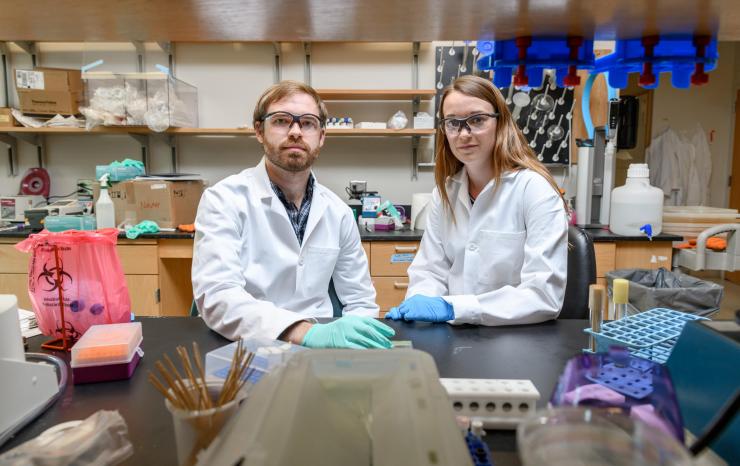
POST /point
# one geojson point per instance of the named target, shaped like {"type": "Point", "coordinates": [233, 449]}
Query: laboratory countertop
{"type": "Point", "coordinates": [598, 234]}
{"type": "Point", "coordinates": [402, 235]}
{"type": "Point", "coordinates": [459, 352]}
{"type": "Point", "coordinates": [602, 234]}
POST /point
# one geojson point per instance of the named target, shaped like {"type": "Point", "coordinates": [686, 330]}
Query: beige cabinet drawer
{"type": "Point", "coordinates": [390, 292]}
{"type": "Point", "coordinates": [644, 255]}
{"type": "Point", "coordinates": [389, 259]}
{"type": "Point", "coordinates": [138, 259]}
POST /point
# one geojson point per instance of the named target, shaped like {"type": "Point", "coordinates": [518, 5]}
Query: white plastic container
{"type": "Point", "coordinates": [636, 204]}
{"type": "Point", "coordinates": [105, 214]}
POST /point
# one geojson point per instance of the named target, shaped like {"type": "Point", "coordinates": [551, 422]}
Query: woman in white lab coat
{"type": "Point", "coordinates": [494, 251]}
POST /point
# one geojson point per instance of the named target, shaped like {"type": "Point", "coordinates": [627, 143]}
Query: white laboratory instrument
{"type": "Point", "coordinates": [13, 208]}
{"type": "Point", "coordinates": [27, 387]}
{"type": "Point", "coordinates": [339, 407]}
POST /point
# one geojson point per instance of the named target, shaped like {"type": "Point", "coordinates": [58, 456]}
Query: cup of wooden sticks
{"type": "Point", "coordinates": [199, 408]}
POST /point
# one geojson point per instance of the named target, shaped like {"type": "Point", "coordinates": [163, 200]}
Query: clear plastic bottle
{"type": "Point", "coordinates": [636, 204]}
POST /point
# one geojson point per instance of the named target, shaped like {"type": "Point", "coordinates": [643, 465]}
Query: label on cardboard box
{"type": "Point", "coordinates": [50, 102]}
{"type": "Point", "coordinates": [26, 79]}
{"type": "Point", "coordinates": [159, 186]}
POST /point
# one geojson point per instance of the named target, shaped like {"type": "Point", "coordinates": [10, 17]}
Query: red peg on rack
{"type": "Point", "coordinates": [700, 77]}
{"type": "Point", "coordinates": [647, 77]}
{"type": "Point", "coordinates": [520, 77]}
{"type": "Point", "coordinates": [572, 79]}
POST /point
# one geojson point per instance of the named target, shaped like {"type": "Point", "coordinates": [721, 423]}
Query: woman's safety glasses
{"type": "Point", "coordinates": [474, 123]}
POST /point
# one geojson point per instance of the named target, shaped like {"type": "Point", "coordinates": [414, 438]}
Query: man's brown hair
{"type": "Point", "coordinates": [282, 90]}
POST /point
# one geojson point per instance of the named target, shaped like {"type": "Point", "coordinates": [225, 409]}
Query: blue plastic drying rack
{"type": "Point", "coordinates": [649, 335]}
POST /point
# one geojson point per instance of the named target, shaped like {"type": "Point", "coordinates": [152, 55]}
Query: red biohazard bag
{"type": "Point", "coordinates": [84, 267]}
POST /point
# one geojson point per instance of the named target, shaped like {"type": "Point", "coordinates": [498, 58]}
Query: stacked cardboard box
{"type": "Point", "coordinates": [49, 91]}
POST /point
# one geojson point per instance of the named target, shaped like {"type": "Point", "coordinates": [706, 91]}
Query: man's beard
{"type": "Point", "coordinates": [291, 160]}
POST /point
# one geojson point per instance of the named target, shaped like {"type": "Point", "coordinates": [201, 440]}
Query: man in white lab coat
{"type": "Point", "coordinates": [269, 240]}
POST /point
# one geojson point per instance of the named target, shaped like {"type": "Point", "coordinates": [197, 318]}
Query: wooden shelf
{"type": "Point", "coordinates": [129, 130]}
{"type": "Point", "coordinates": [213, 131]}
{"type": "Point", "coordinates": [376, 94]}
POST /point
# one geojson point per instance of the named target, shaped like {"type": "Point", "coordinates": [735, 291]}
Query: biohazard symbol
{"type": "Point", "coordinates": [50, 276]}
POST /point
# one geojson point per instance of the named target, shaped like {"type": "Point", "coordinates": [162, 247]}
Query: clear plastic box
{"type": "Point", "coordinates": [268, 354]}
{"type": "Point", "coordinates": [107, 344]}
{"type": "Point", "coordinates": [157, 100]}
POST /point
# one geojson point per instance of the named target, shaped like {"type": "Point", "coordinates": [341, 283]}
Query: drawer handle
{"type": "Point", "coordinates": [406, 248]}
{"type": "Point", "coordinates": [400, 286]}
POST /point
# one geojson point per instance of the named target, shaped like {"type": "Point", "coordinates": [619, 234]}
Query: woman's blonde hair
{"type": "Point", "coordinates": [510, 151]}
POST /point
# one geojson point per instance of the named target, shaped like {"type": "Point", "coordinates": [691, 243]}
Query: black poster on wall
{"type": "Point", "coordinates": [543, 114]}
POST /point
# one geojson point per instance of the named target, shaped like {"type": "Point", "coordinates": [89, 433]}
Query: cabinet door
{"type": "Point", "coordinates": [143, 290]}
{"type": "Point", "coordinates": [390, 292]}
{"type": "Point", "coordinates": [16, 284]}
{"type": "Point", "coordinates": [643, 255]}
{"type": "Point", "coordinates": [366, 247]}
{"type": "Point", "coordinates": [12, 260]}
{"type": "Point", "coordinates": [604, 258]}
{"type": "Point", "coordinates": [390, 259]}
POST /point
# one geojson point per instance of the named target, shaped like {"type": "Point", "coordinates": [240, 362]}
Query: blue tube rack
{"type": "Point", "coordinates": [527, 57]}
{"type": "Point", "coordinates": [688, 58]}
{"type": "Point", "coordinates": [649, 335]}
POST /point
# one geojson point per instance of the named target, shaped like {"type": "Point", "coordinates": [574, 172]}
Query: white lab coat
{"type": "Point", "coordinates": [681, 165]}
{"type": "Point", "coordinates": [505, 259]}
{"type": "Point", "coordinates": [250, 275]}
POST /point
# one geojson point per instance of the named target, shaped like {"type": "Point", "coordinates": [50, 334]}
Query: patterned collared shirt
{"type": "Point", "coordinates": [298, 216]}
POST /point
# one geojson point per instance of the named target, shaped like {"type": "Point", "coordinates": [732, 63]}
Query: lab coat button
{"type": "Point", "coordinates": [473, 247]}
{"type": "Point", "coordinates": [300, 261]}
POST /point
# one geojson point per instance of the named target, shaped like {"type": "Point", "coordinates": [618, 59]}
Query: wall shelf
{"type": "Point", "coordinates": [127, 130]}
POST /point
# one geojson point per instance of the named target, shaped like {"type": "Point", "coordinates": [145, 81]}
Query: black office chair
{"type": "Point", "coordinates": [581, 274]}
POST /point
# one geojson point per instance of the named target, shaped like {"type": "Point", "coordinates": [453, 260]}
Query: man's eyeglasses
{"type": "Point", "coordinates": [474, 123]}
{"type": "Point", "coordinates": [283, 121]}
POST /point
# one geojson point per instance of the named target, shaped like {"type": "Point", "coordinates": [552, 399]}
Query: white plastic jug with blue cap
{"type": "Point", "coordinates": [636, 204]}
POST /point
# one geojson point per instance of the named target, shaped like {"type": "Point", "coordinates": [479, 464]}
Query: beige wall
{"type": "Point", "coordinates": [711, 105]}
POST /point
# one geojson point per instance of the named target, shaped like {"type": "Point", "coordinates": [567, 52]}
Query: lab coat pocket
{"type": "Point", "coordinates": [316, 267]}
{"type": "Point", "coordinates": [501, 257]}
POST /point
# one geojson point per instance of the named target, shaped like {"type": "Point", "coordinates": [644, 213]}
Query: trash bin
{"type": "Point", "coordinates": [650, 289]}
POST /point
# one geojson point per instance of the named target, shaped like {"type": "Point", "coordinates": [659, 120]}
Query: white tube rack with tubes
{"type": "Point", "coordinates": [498, 403]}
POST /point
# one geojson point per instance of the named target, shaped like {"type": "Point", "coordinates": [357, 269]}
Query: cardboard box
{"type": "Point", "coordinates": [50, 102]}
{"type": "Point", "coordinates": [48, 79]}
{"type": "Point", "coordinates": [167, 203]}
{"type": "Point", "coordinates": [6, 118]}
{"type": "Point", "coordinates": [49, 91]}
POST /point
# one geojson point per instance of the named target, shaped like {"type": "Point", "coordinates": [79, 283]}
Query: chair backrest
{"type": "Point", "coordinates": [581, 274]}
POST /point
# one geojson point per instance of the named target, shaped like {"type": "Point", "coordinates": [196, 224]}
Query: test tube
{"type": "Point", "coordinates": [620, 293]}
{"type": "Point", "coordinates": [596, 309]}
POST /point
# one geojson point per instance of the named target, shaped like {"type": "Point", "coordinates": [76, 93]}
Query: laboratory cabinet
{"type": "Point", "coordinates": [157, 270]}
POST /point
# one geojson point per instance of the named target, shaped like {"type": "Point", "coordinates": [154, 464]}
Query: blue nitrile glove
{"type": "Point", "coordinates": [147, 226]}
{"type": "Point", "coordinates": [423, 308]}
{"type": "Point", "coordinates": [349, 332]}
